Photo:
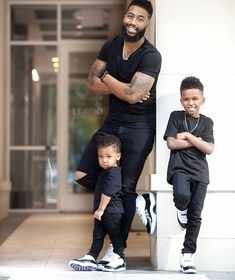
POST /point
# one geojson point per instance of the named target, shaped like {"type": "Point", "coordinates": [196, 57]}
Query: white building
{"type": "Point", "coordinates": [194, 37]}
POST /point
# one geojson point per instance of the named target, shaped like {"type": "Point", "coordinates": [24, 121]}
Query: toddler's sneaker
{"type": "Point", "coordinates": [182, 218]}
{"type": "Point", "coordinates": [108, 256]}
{"type": "Point", "coordinates": [87, 263]}
{"type": "Point", "coordinates": [116, 264]}
{"type": "Point", "coordinates": [186, 263]}
{"type": "Point", "coordinates": [146, 209]}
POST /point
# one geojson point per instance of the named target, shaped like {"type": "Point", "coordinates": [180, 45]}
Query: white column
{"type": "Point", "coordinates": [197, 38]}
{"type": "Point", "coordinates": [4, 185]}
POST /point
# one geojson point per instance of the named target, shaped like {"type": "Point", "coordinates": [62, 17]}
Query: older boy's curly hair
{"type": "Point", "coordinates": [191, 83]}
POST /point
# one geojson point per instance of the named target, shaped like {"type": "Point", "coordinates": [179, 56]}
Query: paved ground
{"type": "Point", "coordinates": [52, 274]}
{"type": "Point", "coordinates": [39, 247]}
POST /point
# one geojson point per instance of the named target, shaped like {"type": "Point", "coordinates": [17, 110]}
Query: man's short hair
{"type": "Point", "coordinates": [191, 83]}
{"type": "Point", "coordinates": [145, 4]}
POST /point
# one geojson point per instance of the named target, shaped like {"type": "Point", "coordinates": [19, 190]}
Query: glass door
{"type": "Point", "coordinates": [33, 114]}
{"type": "Point", "coordinates": [80, 115]}
{"type": "Point", "coordinates": [52, 115]}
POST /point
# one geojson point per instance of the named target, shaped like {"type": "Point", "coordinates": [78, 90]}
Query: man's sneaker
{"type": "Point", "coordinates": [186, 264]}
{"type": "Point", "coordinates": [108, 256]}
{"type": "Point", "coordinates": [182, 218]}
{"type": "Point", "coordinates": [146, 209]}
{"type": "Point", "coordinates": [116, 264]}
{"type": "Point", "coordinates": [87, 263]}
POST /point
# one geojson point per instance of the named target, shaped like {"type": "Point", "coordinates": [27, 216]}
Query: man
{"type": "Point", "coordinates": [126, 69]}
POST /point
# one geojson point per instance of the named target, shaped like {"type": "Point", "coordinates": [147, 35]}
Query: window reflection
{"type": "Point", "coordinates": [90, 21]}
{"type": "Point", "coordinates": [34, 22]}
{"type": "Point", "coordinates": [33, 96]}
{"type": "Point", "coordinates": [39, 23]}
{"type": "Point", "coordinates": [86, 109]}
{"type": "Point", "coordinates": [34, 179]}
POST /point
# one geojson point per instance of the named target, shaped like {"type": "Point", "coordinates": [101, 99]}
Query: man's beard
{"type": "Point", "coordinates": [139, 34]}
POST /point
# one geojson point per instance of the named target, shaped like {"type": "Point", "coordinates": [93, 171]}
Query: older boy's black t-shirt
{"type": "Point", "coordinates": [146, 60]}
{"type": "Point", "coordinates": [110, 183]}
{"type": "Point", "coordinates": [190, 160]}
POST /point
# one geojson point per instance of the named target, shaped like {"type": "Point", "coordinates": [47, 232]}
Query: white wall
{"type": "Point", "coordinates": [197, 37]}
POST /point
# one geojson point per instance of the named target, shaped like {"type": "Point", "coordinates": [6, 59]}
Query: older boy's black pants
{"type": "Point", "coordinates": [189, 194]}
{"type": "Point", "coordinates": [136, 146]}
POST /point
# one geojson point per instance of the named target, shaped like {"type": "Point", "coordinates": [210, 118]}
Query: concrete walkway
{"type": "Point", "coordinates": [41, 246]}
{"type": "Point", "coordinates": [52, 274]}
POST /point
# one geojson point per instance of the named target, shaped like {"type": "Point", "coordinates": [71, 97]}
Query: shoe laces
{"type": "Point", "coordinates": [187, 259]}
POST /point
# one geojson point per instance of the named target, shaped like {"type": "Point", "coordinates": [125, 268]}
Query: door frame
{"type": "Point", "coordinates": [68, 201]}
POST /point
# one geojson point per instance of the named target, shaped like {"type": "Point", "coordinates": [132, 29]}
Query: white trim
{"type": "Point", "coordinates": [64, 2]}
{"type": "Point", "coordinates": [33, 148]}
{"type": "Point", "coordinates": [8, 90]}
{"type": "Point", "coordinates": [32, 211]}
{"type": "Point", "coordinates": [33, 43]}
{"type": "Point", "coordinates": [65, 198]}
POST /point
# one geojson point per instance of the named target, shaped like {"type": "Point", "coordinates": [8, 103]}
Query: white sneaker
{"type": "Point", "coordinates": [182, 218]}
{"type": "Point", "coordinates": [116, 264]}
{"type": "Point", "coordinates": [146, 209]}
{"type": "Point", "coordinates": [186, 264]}
{"type": "Point", "coordinates": [87, 263]}
{"type": "Point", "coordinates": [108, 256]}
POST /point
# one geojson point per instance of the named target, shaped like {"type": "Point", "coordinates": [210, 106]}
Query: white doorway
{"type": "Point", "coordinates": [80, 114]}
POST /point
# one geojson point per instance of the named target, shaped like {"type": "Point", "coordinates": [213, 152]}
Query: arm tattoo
{"type": "Point", "coordinates": [140, 85]}
{"type": "Point", "coordinates": [96, 69]}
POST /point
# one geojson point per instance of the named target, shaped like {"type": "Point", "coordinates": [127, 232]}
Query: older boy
{"type": "Point", "coordinates": [189, 136]}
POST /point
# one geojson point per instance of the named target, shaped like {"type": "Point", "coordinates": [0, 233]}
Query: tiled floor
{"type": "Point", "coordinates": [39, 246]}
{"type": "Point", "coordinates": [51, 240]}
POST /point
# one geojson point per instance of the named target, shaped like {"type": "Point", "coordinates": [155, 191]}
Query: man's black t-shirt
{"type": "Point", "coordinates": [146, 60]}
{"type": "Point", "coordinates": [110, 183]}
{"type": "Point", "coordinates": [190, 160]}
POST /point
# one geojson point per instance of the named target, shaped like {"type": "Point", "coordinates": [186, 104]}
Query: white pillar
{"type": "Point", "coordinates": [197, 38]}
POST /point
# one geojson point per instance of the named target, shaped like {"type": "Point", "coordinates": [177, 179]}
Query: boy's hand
{"type": "Point", "coordinates": [182, 135]}
{"type": "Point", "coordinates": [98, 214]}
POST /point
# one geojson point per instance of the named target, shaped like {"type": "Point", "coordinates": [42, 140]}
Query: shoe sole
{"type": "Point", "coordinates": [189, 270]}
{"type": "Point", "coordinates": [82, 267]}
{"type": "Point", "coordinates": [182, 226]}
{"type": "Point", "coordinates": [152, 213]}
{"type": "Point", "coordinates": [114, 269]}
